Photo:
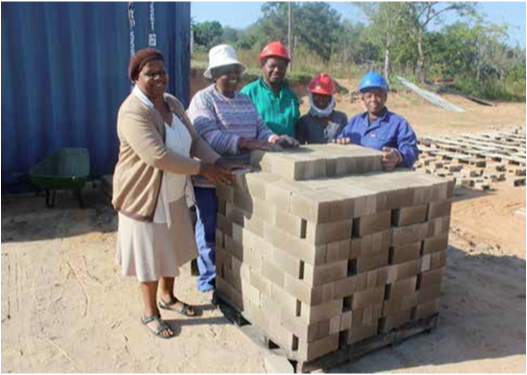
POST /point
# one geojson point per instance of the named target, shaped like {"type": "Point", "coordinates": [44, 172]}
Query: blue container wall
{"type": "Point", "coordinates": [64, 75]}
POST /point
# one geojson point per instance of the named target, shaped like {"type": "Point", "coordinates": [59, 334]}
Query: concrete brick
{"type": "Point", "coordinates": [280, 194]}
{"type": "Point", "coordinates": [398, 198]}
{"type": "Point", "coordinates": [255, 183]}
{"type": "Point", "coordinates": [345, 320]}
{"type": "Point", "coordinates": [294, 225]}
{"type": "Point", "coordinates": [365, 264]}
{"type": "Point", "coordinates": [409, 234]}
{"type": "Point", "coordinates": [435, 244]}
{"type": "Point", "coordinates": [322, 233]}
{"type": "Point", "coordinates": [405, 302]}
{"type": "Point", "coordinates": [312, 314]}
{"type": "Point", "coordinates": [261, 283]}
{"type": "Point", "coordinates": [287, 263]}
{"type": "Point", "coordinates": [402, 287]}
{"type": "Point", "coordinates": [439, 209]}
{"type": "Point", "coordinates": [334, 325]}
{"type": "Point", "coordinates": [306, 332]}
{"type": "Point", "coordinates": [438, 260]}
{"type": "Point", "coordinates": [339, 250]}
{"type": "Point", "coordinates": [325, 273]}
{"type": "Point", "coordinates": [396, 320]}
{"type": "Point", "coordinates": [224, 225]}
{"type": "Point", "coordinates": [306, 293]}
{"type": "Point", "coordinates": [223, 260]}
{"type": "Point", "coordinates": [407, 269]}
{"type": "Point", "coordinates": [409, 215]}
{"type": "Point", "coordinates": [316, 349]}
{"type": "Point", "coordinates": [312, 206]}
{"type": "Point", "coordinates": [430, 293]}
{"type": "Point", "coordinates": [233, 247]}
{"type": "Point", "coordinates": [367, 298]}
{"type": "Point", "coordinates": [225, 192]}
{"type": "Point", "coordinates": [425, 262]}
{"type": "Point", "coordinates": [345, 287]}
{"type": "Point", "coordinates": [362, 332]}
{"type": "Point", "coordinates": [406, 252]}
{"type": "Point", "coordinates": [273, 273]}
{"type": "Point", "coordinates": [431, 278]}
{"type": "Point", "coordinates": [287, 302]}
{"type": "Point", "coordinates": [427, 309]}
{"type": "Point", "coordinates": [372, 223]}
{"type": "Point", "coordinates": [440, 191]}
{"type": "Point", "coordinates": [295, 247]}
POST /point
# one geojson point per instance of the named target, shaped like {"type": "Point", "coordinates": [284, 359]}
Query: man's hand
{"type": "Point", "coordinates": [390, 158]}
{"type": "Point", "coordinates": [285, 141]}
{"type": "Point", "coordinates": [341, 141]}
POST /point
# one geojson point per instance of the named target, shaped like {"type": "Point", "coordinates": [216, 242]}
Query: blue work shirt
{"type": "Point", "coordinates": [389, 130]}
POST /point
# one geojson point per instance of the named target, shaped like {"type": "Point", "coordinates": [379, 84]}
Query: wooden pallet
{"type": "Point", "coordinates": [348, 353]}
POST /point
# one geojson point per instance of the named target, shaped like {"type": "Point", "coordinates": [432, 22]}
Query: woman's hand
{"type": "Point", "coordinates": [216, 174]}
{"type": "Point", "coordinates": [257, 144]}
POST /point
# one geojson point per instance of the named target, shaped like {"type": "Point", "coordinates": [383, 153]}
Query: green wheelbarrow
{"type": "Point", "coordinates": [66, 169]}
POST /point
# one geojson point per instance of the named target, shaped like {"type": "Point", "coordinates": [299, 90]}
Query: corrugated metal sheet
{"type": "Point", "coordinates": [64, 75]}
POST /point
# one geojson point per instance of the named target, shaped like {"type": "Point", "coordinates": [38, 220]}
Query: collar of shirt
{"type": "Point", "coordinates": [142, 97]}
{"type": "Point", "coordinates": [267, 89]}
{"type": "Point", "coordinates": [377, 123]}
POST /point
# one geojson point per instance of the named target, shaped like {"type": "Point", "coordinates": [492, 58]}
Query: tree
{"type": "Point", "coordinates": [207, 34]}
{"type": "Point", "coordinates": [385, 20]}
{"type": "Point", "coordinates": [419, 16]}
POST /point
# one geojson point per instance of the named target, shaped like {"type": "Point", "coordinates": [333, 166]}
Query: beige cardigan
{"type": "Point", "coordinates": [143, 157]}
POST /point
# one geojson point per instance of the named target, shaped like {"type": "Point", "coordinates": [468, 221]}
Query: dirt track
{"type": "Point", "coordinates": [65, 307]}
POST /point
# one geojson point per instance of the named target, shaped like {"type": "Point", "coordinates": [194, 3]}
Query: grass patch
{"type": "Point", "coordinates": [492, 90]}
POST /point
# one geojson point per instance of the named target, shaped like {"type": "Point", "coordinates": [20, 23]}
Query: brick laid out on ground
{"type": "Point", "coordinates": [321, 249]}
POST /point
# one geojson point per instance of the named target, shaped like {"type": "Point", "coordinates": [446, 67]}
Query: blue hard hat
{"type": "Point", "coordinates": [372, 79]}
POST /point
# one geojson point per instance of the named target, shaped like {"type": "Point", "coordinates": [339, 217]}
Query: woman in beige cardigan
{"type": "Point", "coordinates": [151, 187]}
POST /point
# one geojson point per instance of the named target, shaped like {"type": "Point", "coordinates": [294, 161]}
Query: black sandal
{"type": "Point", "coordinates": [162, 326]}
{"type": "Point", "coordinates": [185, 310]}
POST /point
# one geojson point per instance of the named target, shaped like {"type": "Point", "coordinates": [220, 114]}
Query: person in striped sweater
{"type": "Point", "coordinates": [230, 124]}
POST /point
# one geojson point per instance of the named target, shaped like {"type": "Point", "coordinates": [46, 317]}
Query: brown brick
{"type": "Point", "coordinates": [409, 215]}
{"type": "Point", "coordinates": [372, 223]}
{"type": "Point", "coordinates": [439, 209]}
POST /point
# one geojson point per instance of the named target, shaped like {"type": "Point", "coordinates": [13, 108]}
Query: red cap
{"type": "Point", "coordinates": [322, 84]}
{"type": "Point", "coordinates": [275, 49]}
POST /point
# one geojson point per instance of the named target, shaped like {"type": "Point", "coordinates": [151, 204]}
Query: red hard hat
{"type": "Point", "coordinates": [275, 49]}
{"type": "Point", "coordinates": [322, 84]}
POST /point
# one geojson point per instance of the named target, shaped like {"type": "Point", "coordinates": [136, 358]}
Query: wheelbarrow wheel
{"type": "Point", "coordinates": [50, 198]}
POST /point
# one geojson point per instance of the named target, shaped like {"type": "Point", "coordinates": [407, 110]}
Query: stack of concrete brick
{"type": "Point", "coordinates": [323, 263]}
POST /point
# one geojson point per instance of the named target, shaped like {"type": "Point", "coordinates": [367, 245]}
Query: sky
{"type": "Point", "coordinates": [244, 13]}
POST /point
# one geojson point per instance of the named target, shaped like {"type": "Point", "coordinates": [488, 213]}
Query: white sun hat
{"type": "Point", "coordinates": [222, 55]}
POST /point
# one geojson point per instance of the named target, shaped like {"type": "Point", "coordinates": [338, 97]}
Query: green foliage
{"type": "Point", "coordinates": [207, 34]}
{"type": "Point", "coordinates": [473, 51]}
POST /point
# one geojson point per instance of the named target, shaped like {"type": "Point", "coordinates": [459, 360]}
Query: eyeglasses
{"type": "Point", "coordinates": [153, 75]}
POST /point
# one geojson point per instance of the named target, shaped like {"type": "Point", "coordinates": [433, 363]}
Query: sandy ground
{"type": "Point", "coordinates": [65, 307]}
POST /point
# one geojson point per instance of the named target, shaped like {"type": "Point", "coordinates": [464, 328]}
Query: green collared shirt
{"type": "Point", "coordinates": [279, 112]}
